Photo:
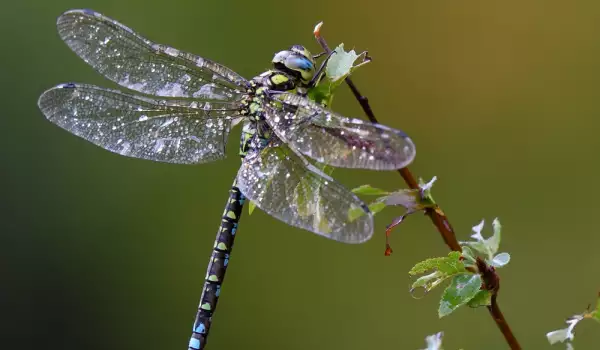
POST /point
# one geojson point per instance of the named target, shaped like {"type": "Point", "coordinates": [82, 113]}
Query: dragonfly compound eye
{"type": "Point", "coordinates": [297, 61]}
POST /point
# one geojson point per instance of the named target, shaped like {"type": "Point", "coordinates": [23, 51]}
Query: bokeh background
{"type": "Point", "coordinates": [99, 251]}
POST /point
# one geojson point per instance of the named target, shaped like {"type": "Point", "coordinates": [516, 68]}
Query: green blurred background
{"type": "Point", "coordinates": [99, 251]}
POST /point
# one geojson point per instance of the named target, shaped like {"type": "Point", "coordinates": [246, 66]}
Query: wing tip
{"type": "Point", "coordinates": [369, 225]}
{"type": "Point", "coordinates": [367, 237]}
{"type": "Point", "coordinates": [46, 95]}
{"type": "Point", "coordinates": [76, 12]}
{"type": "Point", "coordinates": [409, 149]}
{"type": "Point", "coordinates": [88, 12]}
{"type": "Point", "coordinates": [365, 226]}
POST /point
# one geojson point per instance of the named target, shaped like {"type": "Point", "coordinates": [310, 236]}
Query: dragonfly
{"type": "Point", "coordinates": [180, 108]}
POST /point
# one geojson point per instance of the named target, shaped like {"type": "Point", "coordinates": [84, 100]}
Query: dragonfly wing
{"type": "Point", "coordinates": [132, 61]}
{"type": "Point", "coordinates": [170, 131]}
{"type": "Point", "coordinates": [330, 138]}
{"type": "Point", "coordinates": [286, 186]}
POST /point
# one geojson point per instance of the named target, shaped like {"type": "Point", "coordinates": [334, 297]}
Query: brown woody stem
{"type": "Point", "coordinates": [439, 219]}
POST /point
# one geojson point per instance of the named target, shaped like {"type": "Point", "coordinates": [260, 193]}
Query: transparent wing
{"type": "Point", "coordinates": [286, 186]}
{"type": "Point", "coordinates": [330, 138]}
{"type": "Point", "coordinates": [136, 63]}
{"type": "Point", "coordinates": [167, 131]}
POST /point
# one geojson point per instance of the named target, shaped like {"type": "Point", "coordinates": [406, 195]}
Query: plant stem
{"type": "Point", "coordinates": [437, 216]}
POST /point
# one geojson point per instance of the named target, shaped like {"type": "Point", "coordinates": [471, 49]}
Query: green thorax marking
{"type": "Point", "coordinates": [255, 102]}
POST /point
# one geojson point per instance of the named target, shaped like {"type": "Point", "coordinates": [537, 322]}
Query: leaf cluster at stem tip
{"type": "Point", "coordinates": [466, 284]}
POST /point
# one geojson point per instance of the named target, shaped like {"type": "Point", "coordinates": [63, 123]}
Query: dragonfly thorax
{"type": "Point", "coordinates": [293, 70]}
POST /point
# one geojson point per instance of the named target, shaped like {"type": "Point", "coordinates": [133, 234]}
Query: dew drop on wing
{"type": "Point", "coordinates": [172, 51]}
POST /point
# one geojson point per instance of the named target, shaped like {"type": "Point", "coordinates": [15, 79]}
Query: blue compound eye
{"type": "Point", "coordinates": [299, 63]}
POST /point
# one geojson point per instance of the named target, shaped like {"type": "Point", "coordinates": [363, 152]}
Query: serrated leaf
{"type": "Point", "coordinates": [443, 267]}
{"type": "Point", "coordinates": [462, 288]}
{"type": "Point", "coordinates": [434, 341]}
{"type": "Point", "coordinates": [468, 254]}
{"type": "Point", "coordinates": [368, 190]}
{"type": "Point", "coordinates": [376, 207]}
{"type": "Point", "coordinates": [453, 264]}
{"type": "Point", "coordinates": [482, 298]}
{"type": "Point", "coordinates": [429, 282]}
{"type": "Point", "coordinates": [446, 262]}
{"type": "Point", "coordinates": [251, 207]}
{"type": "Point", "coordinates": [341, 64]}
{"type": "Point", "coordinates": [500, 260]}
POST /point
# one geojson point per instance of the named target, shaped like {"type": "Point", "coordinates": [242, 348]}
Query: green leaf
{"type": "Point", "coordinates": [452, 264]}
{"type": "Point", "coordinates": [462, 288]}
{"type": "Point", "coordinates": [322, 93]}
{"type": "Point", "coordinates": [251, 206]}
{"type": "Point", "coordinates": [469, 256]}
{"type": "Point", "coordinates": [368, 190]}
{"type": "Point", "coordinates": [482, 298]}
{"type": "Point", "coordinates": [500, 260]}
{"type": "Point", "coordinates": [494, 241]}
{"type": "Point", "coordinates": [447, 265]}
{"type": "Point", "coordinates": [355, 213]}
{"type": "Point", "coordinates": [429, 282]}
{"type": "Point", "coordinates": [340, 65]}
{"type": "Point", "coordinates": [443, 267]}
{"type": "Point", "coordinates": [376, 207]}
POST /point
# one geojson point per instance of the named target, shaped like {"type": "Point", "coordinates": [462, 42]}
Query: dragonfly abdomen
{"type": "Point", "coordinates": [217, 267]}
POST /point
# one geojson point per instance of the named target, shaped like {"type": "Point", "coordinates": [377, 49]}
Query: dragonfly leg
{"type": "Point", "coordinates": [319, 55]}
{"type": "Point", "coordinates": [317, 77]}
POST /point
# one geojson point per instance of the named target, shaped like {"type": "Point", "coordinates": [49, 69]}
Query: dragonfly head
{"type": "Point", "coordinates": [297, 60]}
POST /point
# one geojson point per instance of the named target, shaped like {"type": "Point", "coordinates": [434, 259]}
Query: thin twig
{"type": "Point", "coordinates": [439, 219]}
